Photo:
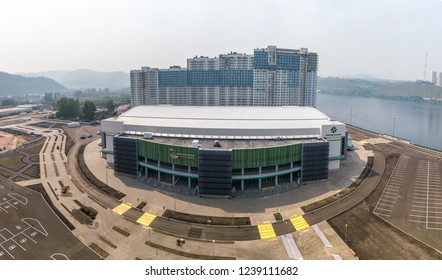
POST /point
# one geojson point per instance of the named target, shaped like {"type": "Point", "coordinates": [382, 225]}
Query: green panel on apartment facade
{"type": "Point", "coordinates": [255, 157]}
{"type": "Point", "coordinates": [187, 156]}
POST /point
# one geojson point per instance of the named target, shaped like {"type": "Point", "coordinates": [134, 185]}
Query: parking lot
{"type": "Point", "coordinates": [392, 192]}
{"type": "Point", "coordinates": [426, 205]}
{"type": "Point", "coordinates": [30, 230]}
{"type": "Point", "coordinates": [412, 198]}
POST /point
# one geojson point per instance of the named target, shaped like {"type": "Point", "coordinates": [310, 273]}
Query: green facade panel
{"type": "Point", "coordinates": [255, 157]}
{"type": "Point", "coordinates": [187, 156]}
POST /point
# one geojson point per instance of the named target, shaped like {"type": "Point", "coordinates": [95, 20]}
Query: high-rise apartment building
{"type": "Point", "coordinates": [440, 79]}
{"type": "Point", "coordinates": [434, 77]}
{"type": "Point", "coordinates": [270, 77]}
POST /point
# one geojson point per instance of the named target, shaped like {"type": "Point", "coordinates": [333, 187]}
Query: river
{"type": "Point", "coordinates": [420, 123]}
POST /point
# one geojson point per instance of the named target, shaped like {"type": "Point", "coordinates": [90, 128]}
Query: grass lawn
{"type": "Point", "coordinates": [33, 171]}
{"type": "Point", "coordinates": [13, 162]}
{"type": "Point", "coordinates": [35, 148]}
{"type": "Point", "coordinates": [18, 179]}
{"type": "Point", "coordinates": [4, 173]}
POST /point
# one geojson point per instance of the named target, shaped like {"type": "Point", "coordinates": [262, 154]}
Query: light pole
{"type": "Point", "coordinates": [285, 228]}
{"type": "Point", "coordinates": [106, 175]}
{"type": "Point", "coordinates": [277, 199]}
{"type": "Point", "coordinates": [149, 229]}
{"type": "Point", "coordinates": [174, 204]}
{"type": "Point", "coordinates": [213, 249]}
{"type": "Point", "coordinates": [394, 124]}
{"type": "Point", "coordinates": [346, 227]}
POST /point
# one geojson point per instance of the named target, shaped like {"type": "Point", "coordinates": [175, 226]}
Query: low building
{"type": "Point", "coordinates": [220, 149]}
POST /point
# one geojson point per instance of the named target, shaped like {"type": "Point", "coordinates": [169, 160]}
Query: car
{"type": "Point", "coordinates": [85, 135]}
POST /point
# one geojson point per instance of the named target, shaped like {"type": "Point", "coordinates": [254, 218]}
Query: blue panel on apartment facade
{"type": "Point", "coordinates": [172, 78]}
{"type": "Point", "coordinates": [205, 78]}
{"type": "Point", "coordinates": [287, 61]}
{"type": "Point", "coordinates": [202, 78]}
{"type": "Point", "coordinates": [261, 59]}
{"type": "Point", "coordinates": [293, 79]}
{"type": "Point", "coordinates": [236, 78]}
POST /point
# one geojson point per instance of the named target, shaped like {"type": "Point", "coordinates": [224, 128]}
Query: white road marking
{"type": "Point", "coordinates": [381, 214]}
{"type": "Point", "coordinates": [383, 209]}
{"type": "Point", "coordinates": [384, 204]}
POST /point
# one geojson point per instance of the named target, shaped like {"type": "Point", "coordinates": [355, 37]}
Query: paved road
{"type": "Point", "coordinates": [353, 198]}
{"type": "Point", "coordinates": [222, 233]}
{"type": "Point", "coordinates": [29, 229]}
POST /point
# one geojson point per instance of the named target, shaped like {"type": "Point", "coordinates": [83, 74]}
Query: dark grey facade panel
{"type": "Point", "coordinates": [314, 161]}
{"type": "Point", "coordinates": [125, 155]}
{"type": "Point", "coordinates": [215, 172]}
{"type": "Point", "coordinates": [344, 145]}
{"type": "Point", "coordinates": [103, 140]}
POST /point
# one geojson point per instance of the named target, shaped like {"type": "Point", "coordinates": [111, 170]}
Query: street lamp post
{"type": "Point", "coordinates": [213, 249]}
{"type": "Point", "coordinates": [277, 199]}
{"type": "Point", "coordinates": [346, 227]}
{"type": "Point", "coordinates": [285, 228]}
{"type": "Point", "coordinates": [149, 229]}
{"type": "Point", "coordinates": [394, 124]}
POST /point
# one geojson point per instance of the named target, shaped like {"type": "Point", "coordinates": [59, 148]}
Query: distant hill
{"type": "Point", "coordinates": [380, 89]}
{"type": "Point", "coordinates": [16, 85]}
{"type": "Point", "coordinates": [366, 77]}
{"type": "Point", "coordinates": [83, 78]}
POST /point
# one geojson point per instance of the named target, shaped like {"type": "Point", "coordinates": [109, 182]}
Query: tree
{"type": "Point", "coordinates": [67, 108]}
{"type": "Point", "coordinates": [9, 102]}
{"type": "Point", "coordinates": [110, 106]}
{"type": "Point", "coordinates": [89, 111]}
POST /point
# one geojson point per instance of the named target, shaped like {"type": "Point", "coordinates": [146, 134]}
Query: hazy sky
{"type": "Point", "coordinates": [385, 38]}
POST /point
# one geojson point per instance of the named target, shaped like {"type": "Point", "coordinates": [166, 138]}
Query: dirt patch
{"type": "Point", "coordinates": [47, 124]}
{"type": "Point", "coordinates": [69, 142]}
{"type": "Point", "coordinates": [81, 217]}
{"type": "Point", "coordinates": [121, 231]}
{"type": "Point", "coordinates": [371, 237]}
{"type": "Point", "coordinates": [278, 216]}
{"type": "Point", "coordinates": [99, 250]}
{"type": "Point", "coordinates": [213, 220]}
{"type": "Point", "coordinates": [141, 205]}
{"type": "Point", "coordinates": [102, 238]}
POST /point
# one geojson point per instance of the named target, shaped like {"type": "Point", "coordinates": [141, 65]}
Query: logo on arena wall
{"type": "Point", "coordinates": [333, 129]}
{"type": "Point", "coordinates": [174, 155]}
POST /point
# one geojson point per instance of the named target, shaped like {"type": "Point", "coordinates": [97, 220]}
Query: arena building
{"type": "Point", "coordinates": [222, 150]}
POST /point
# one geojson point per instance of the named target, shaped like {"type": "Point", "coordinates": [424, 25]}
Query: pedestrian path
{"type": "Point", "coordinates": [299, 223]}
{"type": "Point", "coordinates": [146, 219]}
{"type": "Point", "coordinates": [266, 231]}
{"type": "Point", "coordinates": [122, 208]}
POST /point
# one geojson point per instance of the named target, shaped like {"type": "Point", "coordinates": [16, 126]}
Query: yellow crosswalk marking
{"type": "Point", "coordinates": [266, 231]}
{"type": "Point", "coordinates": [299, 223]}
{"type": "Point", "coordinates": [122, 208]}
{"type": "Point", "coordinates": [146, 219]}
